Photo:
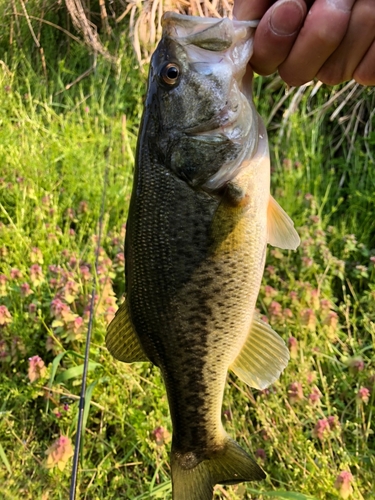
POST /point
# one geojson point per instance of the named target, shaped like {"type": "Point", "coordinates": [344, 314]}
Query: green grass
{"type": "Point", "coordinates": [306, 429]}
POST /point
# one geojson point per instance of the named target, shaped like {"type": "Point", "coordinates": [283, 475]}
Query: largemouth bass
{"type": "Point", "coordinates": [200, 218]}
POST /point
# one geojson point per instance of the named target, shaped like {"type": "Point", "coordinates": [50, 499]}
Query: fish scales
{"type": "Point", "coordinates": [199, 221]}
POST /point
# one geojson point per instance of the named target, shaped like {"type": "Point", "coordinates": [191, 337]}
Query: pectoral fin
{"type": "Point", "coordinates": [121, 339]}
{"type": "Point", "coordinates": [281, 232]}
{"type": "Point", "coordinates": [263, 357]}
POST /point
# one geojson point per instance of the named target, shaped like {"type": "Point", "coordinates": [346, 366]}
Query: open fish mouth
{"type": "Point", "coordinates": [209, 29]}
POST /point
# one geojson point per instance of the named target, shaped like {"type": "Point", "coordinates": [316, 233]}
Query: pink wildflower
{"type": "Point", "coordinates": [228, 415]}
{"type": "Point", "coordinates": [119, 260]}
{"type": "Point", "coordinates": [314, 299]}
{"type": "Point", "coordinates": [295, 393]}
{"type": "Point", "coordinates": [363, 395]}
{"type": "Point", "coordinates": [314, 396]}
{"type": "Point", "coordinates": [46, 200]}
{"type": "Point", "coordinates": [275, 309]}
{"type": "Point", "coordinates": [75, 328]}
{"type": "Point", "coordinates": [321, 429]}
{"type": "Point", "coordinates": [32, 308]}
{"type": "Point", "coordinates": [307, 261]}
{"type": "Point", "coordinates": [73, 261]}
{"type": "Point", "coordinates": [275, 252]}
{"type": "Point", "coordinates": [333, 422]}
{"type": "Point", "coordinates": [83, 207]}
{"type": "Point", "coordinates": [57, 307]}
{"type": "Point", "coordinates": [55, 269]}
{"type": "Point", "coordinates": [343, 484]}
{"type": "Point", "coordinates": [325, 305]}
{"type": "Point", "coordinates": [37, 368]}
{"type": "Point", "coordinates": [25, 290]}
{"type": "Point", "coordinates": [311, 377]}
{"type": "Point", "coordinates": [85, 273]}
{"type": "Point", "coordinates": [293, 347]}
{"type": "Point", "coordinates": [357, 364]}
{"type": "Point", "coordinates": [36, 256]}
{"type": "Point", "coordinates": [269, 291]}
{"type": "Point", "coordinates": [15, 274]}
{"type": "Point", "coordinates": [4, 352]}
{"type": "Point", "coordinates": [271, 270]}
{"type": "Point", "coordinates": [331, 320]}
{"type": "Point", "coordinates": [308, 319]}
{"type": "Point", "coordinates": [70, 214]}
{"type": "Point", "coordinates": [59, 453]}
{"type": "Point", "coordinates": [3, 285]}
{"type": "Point", "coordinates": [5, 316]}
{"type": "Point", "coordinates": [161, 436]}
{"type": "Point", "coordinates": [36, 275]}
{"type": "Point", "coordinates": [51, 345]}
{"type": "Point", "coordinates": [109, 314]}
{"type": "Point", "coordinates": [261, 454]}
{"type": "Point", "coordinates": [287, 313]}
{"type": "Point", "coordinates": [70, 291]}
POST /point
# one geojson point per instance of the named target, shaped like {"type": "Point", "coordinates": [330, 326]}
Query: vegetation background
{"type": "Point", "coordinates": [72, 83]}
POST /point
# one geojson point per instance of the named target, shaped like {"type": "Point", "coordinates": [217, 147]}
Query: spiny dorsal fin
{"type": "Point", "coordinates": [121, 339]}
{"type": "Point", "coordinates": [281, 232]}
{"type": "Point", "coordinates": [262, 358]}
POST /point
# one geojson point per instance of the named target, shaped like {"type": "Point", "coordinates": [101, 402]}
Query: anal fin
{"type": "Point", "coordinates": [121, 339]}
{"type": "Point", "coordinates": [262, 358]}
{"type": "Point", "coordinates": [281, 232]}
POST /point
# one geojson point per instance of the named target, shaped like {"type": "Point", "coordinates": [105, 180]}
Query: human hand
{"type": "Point", "coordinates": [332, 40]}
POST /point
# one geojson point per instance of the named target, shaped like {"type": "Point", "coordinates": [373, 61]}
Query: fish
{"type": "Point", "coordinates": [200, 218]}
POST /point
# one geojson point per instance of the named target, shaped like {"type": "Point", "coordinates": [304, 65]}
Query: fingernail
{"type": "Point", "coordinates": [344, 5]}
{"type": "Point", "coordinates": [287, 17]}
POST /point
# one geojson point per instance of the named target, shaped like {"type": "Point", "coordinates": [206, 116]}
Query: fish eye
{"type": "Point", "coordinates": [170, 73]}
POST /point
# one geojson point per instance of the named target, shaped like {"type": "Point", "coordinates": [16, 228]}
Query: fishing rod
{"type": "Point", "coordinates": [82, 401]}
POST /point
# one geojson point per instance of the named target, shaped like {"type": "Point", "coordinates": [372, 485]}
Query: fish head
{"type": "Point", "coordinates": [200, 117]}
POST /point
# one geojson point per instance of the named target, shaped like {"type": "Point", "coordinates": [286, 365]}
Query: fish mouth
{"type": "Point", "coordinates": [226, 119]}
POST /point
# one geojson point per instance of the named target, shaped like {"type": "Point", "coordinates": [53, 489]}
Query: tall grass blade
{"type": "Point", "coordinates": [5, 460]}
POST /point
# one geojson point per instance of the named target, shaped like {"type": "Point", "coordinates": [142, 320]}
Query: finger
{"type": "Point", "coordinates": [276, 33]}
{"type": "Point", "coordinates": [360, 35]}
{"type": "Point", "coordinates": [248, 10]}
{"type": "Point", "coordinates": [365, 71]}
{"type": "Point", "coordinates": [324, 28]}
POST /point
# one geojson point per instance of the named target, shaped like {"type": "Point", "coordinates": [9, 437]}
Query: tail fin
{"type": "Point", "coordinates": [230, 465]}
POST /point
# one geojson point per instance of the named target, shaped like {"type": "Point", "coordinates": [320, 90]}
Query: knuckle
{"type": "Point", "coordinates": [293, 80]}
{"type": "Point", "coordinates": [330, 77]}
{"type": "Point", "coordinates": [324, 34]}
{"type": "Point", "coordinates": [364, 73]}
{"type": "Point", "coordinates": [364, 76]}
{"type": "Point", "coordinates": [367, 13]}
